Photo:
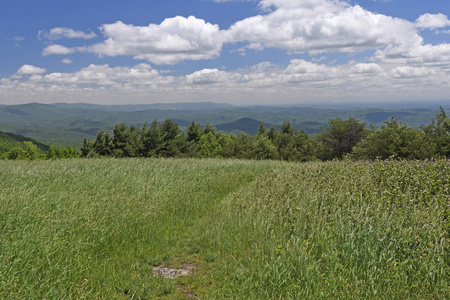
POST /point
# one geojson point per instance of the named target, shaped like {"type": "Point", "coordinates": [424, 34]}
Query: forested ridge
{"type": "Point", "coordinates": [10, 140]}
{"type": "Point", "coordinates": [349, 138]}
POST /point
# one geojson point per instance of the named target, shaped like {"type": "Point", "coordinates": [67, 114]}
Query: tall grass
{"type": "Point", "coordinates": [95, 229]}
{"type": "Point", "coordinates": [336, 230]}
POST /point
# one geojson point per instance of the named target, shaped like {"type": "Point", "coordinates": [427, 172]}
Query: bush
{"type": "Point", "coordinates": [28, 151]}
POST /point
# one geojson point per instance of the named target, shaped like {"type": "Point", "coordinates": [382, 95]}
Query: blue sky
{"type": "Point", "coordinates": [240, 52]}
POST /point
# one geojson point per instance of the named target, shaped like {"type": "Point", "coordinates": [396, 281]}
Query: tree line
{"type": "Point", "coordinates": [351, 139]}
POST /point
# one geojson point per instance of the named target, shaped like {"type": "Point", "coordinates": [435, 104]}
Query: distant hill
{"type": "Point", "coordinates": [68, 124]}
{"type": "Point", "coordinates": [382, 116]}
{"type": "Point", "coordinates": [312, 127]}
{"type": "Point", "coordinates": [11, 140]}
{"type": "Point", "coordinates": [142, 107]}
{"type": "Point", "coordinates": [250, 126]}
{"type": "Point", "coordinates": [247, 125]}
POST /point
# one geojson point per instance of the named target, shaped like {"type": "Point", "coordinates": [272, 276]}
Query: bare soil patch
{"type": "Point", "coordinates": [171, 273]}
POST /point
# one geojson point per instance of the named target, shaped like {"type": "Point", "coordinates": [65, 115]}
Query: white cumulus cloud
{"type": "Point", "coordinates": [367, 68]}
{"type": "Point", "coordinates": [313, 26]}
{"type": "Point", "coordinates": [320, 26]}
{"type": "Point", "coordinates": [30, 70]}
{"type": "Point", "coordinates": [104, 75]}
{"type": "Point", "coordinates": [416, 54]}
{"type": "Point", "coordinates": [397, 65]}
{"type": "Point", "coordinates": [174, 40]}
{"type": "Point", "coordinates": [211, 76]}
{"type": "Point", "coordinates": [432, 21]}
{"type": "Point", "coordinates": [57, 49]}
{"type": "Point", "coordinates": [299, 81]}
{"type": "Point", "coordinates": [300, 66]}
{"type": "Point", "coordinates": [410, 72]}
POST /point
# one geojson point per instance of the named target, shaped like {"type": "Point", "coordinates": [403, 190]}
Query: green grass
{"type": "Point", "coordinates": [95, 229]}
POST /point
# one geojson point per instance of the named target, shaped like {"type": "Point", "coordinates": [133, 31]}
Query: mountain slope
{"type": "Point", "coordinates": [11, 140]}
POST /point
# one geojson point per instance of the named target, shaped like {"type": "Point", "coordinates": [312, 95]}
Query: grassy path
{"type": "Point", "coordinates": [95, 229]}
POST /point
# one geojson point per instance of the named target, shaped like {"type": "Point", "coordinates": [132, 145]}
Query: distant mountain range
{"type": "Point", "coordinates": [68, 124]}
{"type": "Point", "coordinates": [142, 107]}
{"type": "Point", "coordinates": [246, 125]}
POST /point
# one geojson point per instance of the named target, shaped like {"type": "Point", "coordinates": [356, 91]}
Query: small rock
{"type": "Point", "coordinates": [168, 273]}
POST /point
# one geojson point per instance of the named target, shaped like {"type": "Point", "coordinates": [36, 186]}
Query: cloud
{"type": "Point", "coordinates": [318, 5]}
{"type": "Point", "coordinates": [411, 51]}
{"type": "Point", "coordinates": [411, 72]}
{"type": "Point", "coordinates": [174, 40]}
{"type": "Point", "coordinates": [57, 49]}
{"type": "Point", "coordinates": [104, 75]}
{"type": "Point", "coordinates": [66, 61]}
{"type": "Point", "coordinates": [367, 68]}
{"type": "Point", "coordinates": [29, 70]}
{"type": "Point", "coordinates": [314, 26]}
{"type": "Point", "coordinates": [264, 66]}
{"type": "Point", "coordinates": [416, 54]}
{"type": "Point", "coordinates": [300, 66]}
{"type": "Point", "coordinates": [62, 32]}
{"type": "Point", "coordinates": [432, 21]}
{"type": "Point", "coordinates": [398, 65]}
{"type": "Point", "coordinates": [212, 76]}
{"type": "Point", "coordinates": [18, 38]}
{"type": "Point", "coordinates": [302, 71]}
{"type": "Point", "coordinates": [36, 78]}
{"type": "Point", "coordinates": [317, 26]}
{"type": "Point", "coordinates": [307, 26]}
{"type": "Point", "coordinates": [300, 81]}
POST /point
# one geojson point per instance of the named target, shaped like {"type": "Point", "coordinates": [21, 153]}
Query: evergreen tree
{"type": "Point", "coordinates": [241, 146]}
{"type": "Point", "coordinates": [87, 149]}
{"type": "Point", "coordinates": [261, 129]}
{"type": "Point", "coordinates": [340, 137]}
{"type": "Point", "coordinates": [287, 128]}
{"type": "Point", "coordinates": [169, 131]}
{"type": "Point", "coordinates": [151, 139]}
{"type": "Point", "coordinates": [271, 133]}
{"type": "Point", "coordinates": [209, 128]}
{"type": "Point", "coordinates": [103, 144]}
{"type": "Point", "coordinates": [127, 141]}
{"type": "Point", "coordinates": [194, 132]}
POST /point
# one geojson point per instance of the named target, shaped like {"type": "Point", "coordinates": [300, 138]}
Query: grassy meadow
{"type": "Point", "coordinates": [96, 228]}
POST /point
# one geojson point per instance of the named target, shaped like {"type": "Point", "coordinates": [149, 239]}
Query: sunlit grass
{"type": "Point", "coordinates": [263, 230]}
